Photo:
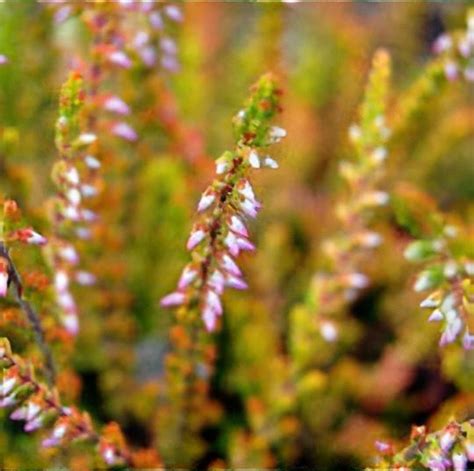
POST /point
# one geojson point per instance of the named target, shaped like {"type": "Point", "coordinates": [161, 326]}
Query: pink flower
{"type": "Point", "coordinates": [236, 282]}
{"type": "Point", "coordinates": [236, 225]}
{"type": "Point", "coordinates": [230, 266]}
{"type": "Point", "coordinates": [195, 238]}
{"type": "Point", "coordinates": [3, 59]}
{"type": "Point", "coordinates": [173, 12]}
{"type": "Point", "coordinates": [116, 105]}
{"type": "Point", "coordinates": [121, 59]}
{"type": "Point", "coordinates": [206, 200]}
{"type": "Point", "coordinates": [3, 281]}
{"type": "Point", "coordinates": [124, 131]}
{"type": "Point", "coordinates": [209, 317]}
{"type": "Point", "coordinates": [187, 277]}
{"type": "Point", "coordinates": [30, 236]}
{"type": "Point", "coordinates": [174, 299]}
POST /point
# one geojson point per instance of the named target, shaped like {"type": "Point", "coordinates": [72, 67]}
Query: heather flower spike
{"type": "Point", "coordinates": [449, 448]}
{"type": "Point", "coordinates": [221, 234]}
{"type": "Point", "coordinates": [447, 275]}
{"type": "Point", "coordinates": [40, 408]}
{"type": "Point", "coordinates": [456, 51]}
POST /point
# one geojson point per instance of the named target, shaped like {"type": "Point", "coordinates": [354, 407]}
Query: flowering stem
{"type": "Point", "coordinates": [31, 314]}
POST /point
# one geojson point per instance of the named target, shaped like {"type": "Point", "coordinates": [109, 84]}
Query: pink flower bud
{"type": "Point", "coordinates": [213, 302]}
{"type": "Point", "coordinates": [468, 341]}
{"type": "Point", "coordinates": [3, 282]}
{"type": "Point", "coordinates": [245, 189]}
{"type": "Point", "coordinates": [32, 237]}
{"type": "Point", "coordinates": [195, 238]}
{"type": "Point", "coordinates": [69, 254]}
{"type": "Point", "coordinates": [209, 317]}
{"type": "Point", "coordinates": [236, 225]}
{"type": "Point", "coordinates": [187, 277]}
{"type": "Point", "coordinates": [61, 281]}
{"type": "Point", "coordinates": [92, 162]}
{"type": "Point", "coordinates": [451, 70]}
{"type": "Point", "coordinates": [168, 46]}
{"type": "Point", "coordinates": [174, 299]}
{"type": "Point", "coordinates": [116, 105]}
{"type": "Point", "coordinates": [245, 244]}
{"type": "Point", "coordinates": [328, 331]}
{"type": "Point", "coordinates": [88, 191]}
{"type": "Point", "coordinates": [217, 281]}
{"type": "Point", "coordinates": [124, 131]}
{"type": "Point", "coordinates": [250, 208]}
{"type": "Point", "coordinates": [85, 278]}
{"type": "Point", "coordinates": [173, 12]}
{"type": "Point", "coordinates": [236, 282]}
{"type": "Point", "coordinates": [121, 59]}
{"type": "Point", "coordinates": [155, 20]}
{"type": "Point", "coordinates": [3, 59]}
{"type": "Point", "coordinates": [206, 200]}
{"type": "Point", "coordinates": [71, 323]}
{"type": "Point", "coordinates": [74, 196]}
{"type": "Point", "coordinates": [72, 176]}
{"type": "Point", "coordinates": [231, 242]}
{"type": "Point", "coordinates": [7, 384]}
{"type": "Point", "coordinates": [230, 266]}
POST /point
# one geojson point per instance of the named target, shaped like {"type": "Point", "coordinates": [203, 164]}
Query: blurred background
{"type": "Point", "coordinates": [274, 392]}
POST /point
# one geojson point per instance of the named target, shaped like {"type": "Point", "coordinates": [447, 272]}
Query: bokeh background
{"type": "Point", "coordinates": [278, 393]}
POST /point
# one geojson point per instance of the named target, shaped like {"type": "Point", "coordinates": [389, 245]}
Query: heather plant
{"type": "Point", "coordinates": [348, 321]}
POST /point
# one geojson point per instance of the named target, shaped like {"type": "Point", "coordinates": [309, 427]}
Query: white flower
{"type": "Point", "coordinates": [253, 159]}
{"type": "Point", "coordinates": [270, 163]}
{"type": "Point", "coordinates": [206, 200]}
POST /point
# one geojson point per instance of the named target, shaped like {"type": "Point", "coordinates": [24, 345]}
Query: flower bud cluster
{"type": "Point", "coordinates": [76, 183]}
{"type": "Point", "coordinates": [12, 231]}
{"type": "Point", "coordinates": [40, 408]}
{"type": "Point", "coordinates": [457, 51]}
{"type": "Point", "coordinates": [221, 233]}
{"type": "Point", "coordinates": [363, 197]}
{"type": "Point", "coordinates": [449, 275]}
{"type": "Point", "coordinates": [139, 35]}
{"type": "Point", "coordinates": [450, 448]}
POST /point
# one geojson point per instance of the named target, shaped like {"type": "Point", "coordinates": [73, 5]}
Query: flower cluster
{"type": "Point", "coordinates": [138, 34]}
{"type": "Point", "coordinates": [11, 231]}
{"type": "Point", "coordinates": [449, 275]}
{"type": "Point", "coordinates": [221, 234]}
{"type": "Point", "coordinates": [456, 50]}
{"type": "Point", "coordinates": [40, 408]}
{"type": "Point", "coordinates": [450, 448]}
{"type": "Point", "coordinates": [355, 211]}
{"type": "Point", "coordinates": [74, 177]}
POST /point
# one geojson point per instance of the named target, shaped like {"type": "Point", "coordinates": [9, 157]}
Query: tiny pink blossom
{"type": "Point", "coordinates": [206, 200]}
{"type": "Point", "coordinates": [236, 282]}
{"type": "Point", "coordinates": [3, 283]}
{"type": "Point", "coordinates": [121, 59]}
{"type": "Point", "coordinates": [236, 225]}
{"type": "Point", "coordinates": [173, 12]}
{"type": "Point", "coordinates": [209, 317]}
{"type": "Point", "coordinates": [174, 299]}
{"type": "Point", "coordinates": [116, 105]}
{"type": "Point", "coordinates": [187, 277]}
{"type": "Point", "coordinates": [3, 59]}
{"type": "Point", "coordinates": [245, 244]}
{"type": "Point", "coordinates": [230, 266]}
{"type": "Point", "coordinates": [124, 131]}
{"type": "Point", "coordinates": [195, 238]}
